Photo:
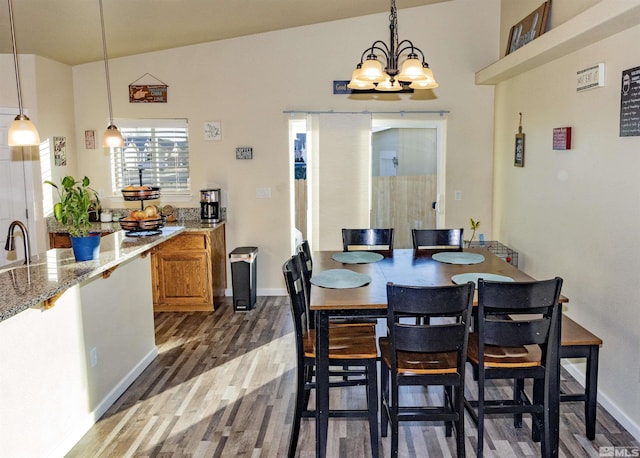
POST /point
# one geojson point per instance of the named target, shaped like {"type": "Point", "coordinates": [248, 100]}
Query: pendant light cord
{"type": "Point", "coordinates": [15, 56]}
{"type": "Point", "coordinates": [106, 63]}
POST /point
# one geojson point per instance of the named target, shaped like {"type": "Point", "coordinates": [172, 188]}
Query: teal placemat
{"type": "Point", "coordinates": [458, 257]}
{"type": "Point", "coordinates": [340, 278]}
{"type": "Point", "coordinates": [464, 278]}
{"type": "Point", "coordinates": [357, 257]}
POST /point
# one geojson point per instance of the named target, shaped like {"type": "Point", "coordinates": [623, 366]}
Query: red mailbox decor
{"type": "Point", "coordinates": [562, 138]}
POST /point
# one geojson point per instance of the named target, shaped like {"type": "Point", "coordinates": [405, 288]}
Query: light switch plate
{"type": "Point", "coordinates": [263, 193]}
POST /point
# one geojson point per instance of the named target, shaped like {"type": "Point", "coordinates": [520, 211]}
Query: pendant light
{"type": "Point", "coordinates": [21, 132]}
{"type": "Point", "coordinates": [112, 136]}
{"type": "Point", "coordinates": [414, 73]}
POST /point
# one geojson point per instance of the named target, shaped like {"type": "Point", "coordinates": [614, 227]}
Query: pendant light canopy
{"type": "Point", "coordinates": [414, 73]}
{"type": "Point", "coordinates": [112, 137]}
{"type": "Point", "coordinates": [21, 132]}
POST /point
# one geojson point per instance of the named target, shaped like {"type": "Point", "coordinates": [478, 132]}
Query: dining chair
{"type": "Point", "coordinates": [428, 354]}
{"type": "Point", "coordinates": [306, 269]}
{"type": "Point", "coordinates": [349, 346]}
{"type": "Point", "coordinates": [377, 239]}
{"type": "Point", "coordinates": [515, 340]}
{"type": "Point", "coordinates": [442, 239]}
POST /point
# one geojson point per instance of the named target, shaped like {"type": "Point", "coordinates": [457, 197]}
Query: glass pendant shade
{"type": "Point", "coordinates": [428, 83]}
{"type": "Point", "coordinates": [411, 71]}
{"type": "Point", "coordinates": [23, 132]}
{"type": "Point", "coordinates": [372, 71]}
{"type": "Point", "coordinates": [387, 86]}
{"type": "Point", "coordinates": [112, 138]}
{"type": "Point", "coordinates": [358, 83]}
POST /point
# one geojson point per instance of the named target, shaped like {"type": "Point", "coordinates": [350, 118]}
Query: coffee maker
{"type": "Point", "coordinates": [210, 205]}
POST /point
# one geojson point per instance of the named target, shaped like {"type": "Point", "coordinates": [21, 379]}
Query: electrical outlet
{"type": "Point", "coordinates": [457, 195]}
{"type": "Point", "coordinates": [93, 357]}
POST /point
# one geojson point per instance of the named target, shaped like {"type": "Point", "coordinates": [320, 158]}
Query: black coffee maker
{"type": "Point", "coordinates": [210, 205]}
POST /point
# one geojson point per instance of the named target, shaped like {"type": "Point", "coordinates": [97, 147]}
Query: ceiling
{"type": "Point", "coordinates": [68, 31]}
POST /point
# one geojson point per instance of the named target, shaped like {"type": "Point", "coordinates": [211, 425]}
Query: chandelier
{"type": "Point", "coordinates": [414, 73]}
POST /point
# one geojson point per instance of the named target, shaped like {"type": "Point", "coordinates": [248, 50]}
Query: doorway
{"type": "Point", "coordinates": [376, 172]}
{"type": "Point", "coordinates": [406, 158]}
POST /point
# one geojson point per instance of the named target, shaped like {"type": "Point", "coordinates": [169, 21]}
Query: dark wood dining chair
{"type": "Point", "coordinates": [515, 340]}
{"type": "Point", "coordinates": [306, 269]}
{"type": "Point", "coordinates": [440, 239]}
{"type": "Point", "coordinates": [349, 346]}
{"type": "Point", "coordinates": [377, 239]}
{"type": "Point", "coordinates": [428, 354]}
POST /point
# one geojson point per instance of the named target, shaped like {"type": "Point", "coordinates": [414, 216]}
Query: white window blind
{"type": "Point", "coordinates": [155, 151]}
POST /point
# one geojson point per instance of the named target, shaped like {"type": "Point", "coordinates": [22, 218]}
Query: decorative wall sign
{"type": "Point", "coordinates": [562, 138]}
{"type": "Point", "coordinates": [244, 152]}
{"type": "Point", "coordinates": [529, 28]}
{"type": "Point", "coordinates": [60, 150]}
{"type": "Point", "coordinates": [90, 139]}
{"type": "Point", "coordinates": [590, 78]}
{"type": "Point", "coordinates": [518, 160]}
{"type": "Point", "coordinates": [630, 103]}
{"type": "Point", "coordinates": [212, 130]}
{"type": "Point", "coordinates": [148, 93]}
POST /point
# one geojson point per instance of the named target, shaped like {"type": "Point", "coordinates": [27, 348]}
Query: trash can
{"type": "Point", "coordinates": [243, 277]}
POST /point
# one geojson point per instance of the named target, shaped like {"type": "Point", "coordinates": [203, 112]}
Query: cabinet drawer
{"type": "Point", "coordinates": [185, 241]}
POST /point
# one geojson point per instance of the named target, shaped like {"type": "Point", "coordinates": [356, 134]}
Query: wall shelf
{"type": "Point", "coordinates": [602, 20]}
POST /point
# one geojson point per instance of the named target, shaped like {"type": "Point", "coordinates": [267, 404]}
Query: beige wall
{"type": "Point", "coordinates": [218, 81]}
{"type": "Point", "coordinates": [575, 213]}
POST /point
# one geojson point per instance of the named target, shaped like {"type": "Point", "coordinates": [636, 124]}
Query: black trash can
{"type": "Point", "coordinates": [243, 277]}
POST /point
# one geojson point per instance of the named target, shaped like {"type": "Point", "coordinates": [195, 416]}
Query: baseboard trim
{"type": "Point", "coordinates": [70, 441]}
{"type": "Point", "coordinates": [605, 401]}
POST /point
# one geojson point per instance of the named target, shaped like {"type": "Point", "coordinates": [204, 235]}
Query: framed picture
{"type": "Point", "coordinates": [60, 151]}
{"type": "Point", "coordinates": [519, 151]}
{"type": "Point", "coordinates": [529, 28]}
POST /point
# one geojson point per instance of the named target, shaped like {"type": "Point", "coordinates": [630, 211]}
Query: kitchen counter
{"type": "Point", "coordinates": [56, 270]}
{"type": "Point", "coordinates": [188, 224]}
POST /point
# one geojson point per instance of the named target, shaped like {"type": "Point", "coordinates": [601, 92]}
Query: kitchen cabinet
{"type": "Point", "coordinates": [189, 271]}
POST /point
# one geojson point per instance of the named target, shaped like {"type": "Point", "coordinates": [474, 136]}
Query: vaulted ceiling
{"type": "Point", "coordinates": [68, 31]}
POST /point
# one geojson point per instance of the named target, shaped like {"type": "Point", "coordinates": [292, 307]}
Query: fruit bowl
{"type": "Point", "coordinates": [141, 225]}
{"type": "Point", "coordinates": [140, 192]}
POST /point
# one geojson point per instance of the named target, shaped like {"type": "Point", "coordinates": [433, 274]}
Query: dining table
{"type": "Point", "coordinates": [365, 295]}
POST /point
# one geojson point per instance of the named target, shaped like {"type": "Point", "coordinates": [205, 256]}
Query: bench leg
{"type": "Point", "coordinates": [591, 392]}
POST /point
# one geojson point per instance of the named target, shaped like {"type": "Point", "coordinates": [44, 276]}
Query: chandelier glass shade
{"type": "Point", "coordinates": [414, 72]}
{"type": "Point", "coordinates": [22, 132]}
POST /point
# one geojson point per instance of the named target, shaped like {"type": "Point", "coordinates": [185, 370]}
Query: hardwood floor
{"type": "Point", "coordinates": [222, 387]}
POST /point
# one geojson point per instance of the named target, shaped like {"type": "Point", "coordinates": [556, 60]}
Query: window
{"type": "Point", "coordinates": [156, 152]}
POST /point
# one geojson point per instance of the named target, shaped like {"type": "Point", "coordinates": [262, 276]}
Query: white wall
{"type": "Point", "coordinates": [221, 81]}
{"type": "Point", "coordinates": [575, 213]}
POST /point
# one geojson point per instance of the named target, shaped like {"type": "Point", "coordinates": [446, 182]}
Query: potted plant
{"type": "Point", "coordinates": [72, 210]}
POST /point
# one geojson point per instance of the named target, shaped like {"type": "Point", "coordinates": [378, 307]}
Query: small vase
{"type": "Point", "coordinates": [86, 248]}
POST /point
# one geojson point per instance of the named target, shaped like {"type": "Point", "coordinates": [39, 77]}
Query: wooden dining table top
{"type": "Point", "coordinates": [402, 266]}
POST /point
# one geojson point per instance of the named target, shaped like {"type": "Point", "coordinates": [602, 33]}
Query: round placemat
{"type": "Point", "coordinates": [340, 278]}
{"type": "Point", "coordinates": [474, 276]}
{"type": "Point", "coordinates": [357, 257]}
{"type": "Point", "coordinates": [458, 257]}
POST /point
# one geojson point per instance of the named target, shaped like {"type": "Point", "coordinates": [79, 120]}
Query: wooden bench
{"type": "Point", "coordinates": [578, 342]}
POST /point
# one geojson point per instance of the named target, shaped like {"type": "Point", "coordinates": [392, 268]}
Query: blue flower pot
{"type": "Point", "coordinates": [86, 248]}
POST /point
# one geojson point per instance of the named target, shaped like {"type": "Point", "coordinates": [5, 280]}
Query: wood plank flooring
{"type": "Point", "coordinates": [222, 386]}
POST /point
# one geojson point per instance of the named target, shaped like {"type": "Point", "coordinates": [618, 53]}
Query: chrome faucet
{"type": "Point", "coordinates": [11, 245]}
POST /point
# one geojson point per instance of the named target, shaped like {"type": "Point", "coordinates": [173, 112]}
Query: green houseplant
{"type": "Point", "coordinates": [76, 198]}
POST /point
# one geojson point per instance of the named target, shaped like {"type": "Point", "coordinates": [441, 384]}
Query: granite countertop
{"type": "Point", "coordinates": [56, 270]}
{"type": "Point", "coordinates": [188, 224]}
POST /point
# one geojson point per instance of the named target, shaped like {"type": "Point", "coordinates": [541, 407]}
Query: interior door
{"type": "Point", "coordinates": [405, 185]}
{"type": "Point", "coordinates": [15, 180]}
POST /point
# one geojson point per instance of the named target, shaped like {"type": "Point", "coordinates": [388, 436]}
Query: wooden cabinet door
{"type": "Point", "coordinates": [182, 281]}
{"type": "Point", "coordinates": [182, 273]}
